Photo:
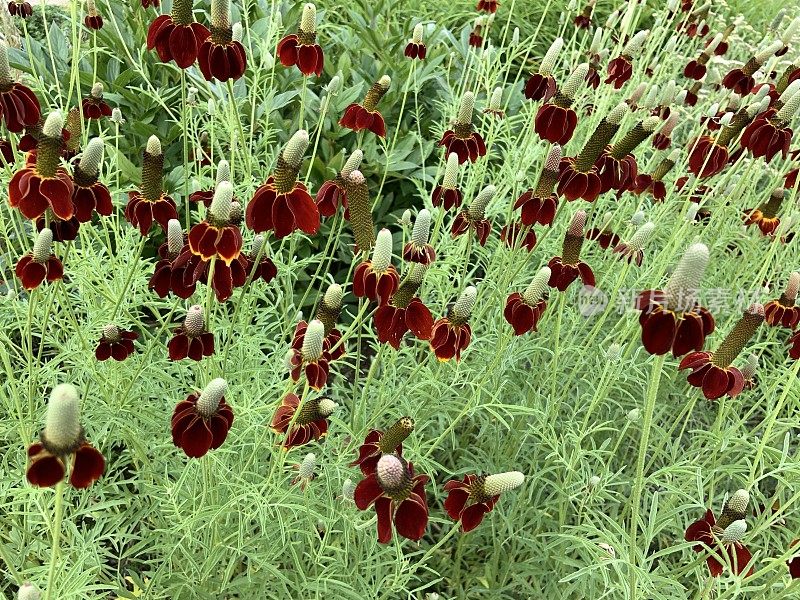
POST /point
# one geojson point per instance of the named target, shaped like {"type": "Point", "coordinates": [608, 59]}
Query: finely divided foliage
{"type": "Point", "coordinates": [399, 300]}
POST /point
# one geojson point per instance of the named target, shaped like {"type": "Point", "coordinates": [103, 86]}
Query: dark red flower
{"type": "Point", "coordinates": [161, 281]}
{"type": "Point", "coordinates": [202, 421]}
{"type": "Point", "coordinates": [592, 77]}
{"type": "Point", "coordinates": [94, 108]}
{"type": "Point", "coordinates": [377, 443]}
{"type": "Point", "coordinates": [33, 193]}
{"type": "Point", "coordinates": [89, 195]}
{"type": "Point", "coordinates": [665, 330]}
{"type": "Point", "coordinates": [311, 422]}
{"type": "Point", "coordinates": [475, 37]}
{"type": "Point", "coordinates": [365, 115]}
{"type": "Point", "coordinates": [311, 352]}
{"type": "Point", "coordinates": [33, 269]}
{"type": "Point", "coordinates": [115, 343]}
{"type": "Point", "coordinates": [393, 322]}
{"type": "Point", "coordinates": [189, 268]}
{"type": "Point", "coordinates": [517, 235]}
{"type": "Point", "coordinates": [47, 466]}
{"type": "Point", "coordinates": [540, 87]}
{"type": "Point", "coordinates": [707, 157]}
{"type": "Point", "coordinates": [464, 141]}
{"type": "Point", "coordinates": [616, 173]}
{"type": "Point", "coordinates": [739, 82]}
{"type": "Point", "coordinates": [794, 351]}
{"type": "Point", "coordinates": [489, 6]}
{"type": "Point", "coordinates": [574, 184]}
{"type": "Point", "coordinates": [555, 123]}
{"type": "Point", "coordinates": [523, 312]}
{"type": "Point", "coordinates": [223, 60]}
{"type": "Point", "coordinates": [620, 70]}
{"type": "Point", "coordinates": [694, 70]}
{"type": "Point", "coordinates": [604, 237]}
{"type": "Point", "coordinates": [447, 197]}
{"type": "Point", "coordinates": [377, 285]}
{"type": "Point", "coordinates": [448, 339]}
{"type": "Point", "coordinates": [208, 240]}
{"type": "Point", "coordinates": [149, 3]}
{"type": "Point", "coordinates": [767, 224]}
{"type": "Point", "coordinates": [783, 311]}
{"type": "Point", "coordinates": [767, 136]}
{"type": "Point", "coordinates": [331, 195]}
{"type": "Point", "coordinates": [94, 21]}
{"type": "Point", "coordinates": [563, 274]}
{"type": "Point", "coordinates": [791, 178]}
{"type": "Point", "coordinates": [416, 50]}
{"type": "Point", "coordinates": [467, 501]}
{"type": "Point", "coordinates": [463, 222]}
{"type": "Point", "coordinates": [191, 340]}
{"type": "Point", "coordinates": [301, 48]}
{"type": "Point", "coordinates": [63, 231]}
{"type": "Point", "coordinates": [536, 209]}
{"type": "Point", "coordinates": [264, 269]}
{"type": "Point", "coordinates": [142, 212]}
{"type": "Point", "coordinates": [709, 537]}
{"type": "Point", "coordinates": [22, 9]}
{"type": "Point", "coordinates": [715, 381]}
{"type": "Point", "coordinates": [282, 211]}
{"type": "Point", "coordinates": [645, 183]}
{"type": "Point", "coordinates": [177, 37]}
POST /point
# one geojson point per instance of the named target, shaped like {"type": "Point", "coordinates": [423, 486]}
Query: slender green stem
{"type": "Point", "coordinates": [56, 546]}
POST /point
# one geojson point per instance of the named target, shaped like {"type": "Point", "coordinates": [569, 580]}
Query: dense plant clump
{"type": "Point", "coordinates": [378, 302]}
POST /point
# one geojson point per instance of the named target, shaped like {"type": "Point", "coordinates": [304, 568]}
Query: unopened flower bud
{"type": "Point", "coordinates": [116, 116]}
{"type": "Point", "coordinates": [594, 481]}
{"type": "Point", "coordinates": [635, 44]}
{"type": "Point", "coordinates": [348, 489]}
{"type": "Point", "coordinates": [353, 163]}
{"type": "Point", "coordinates": [237, 32]}
{"type": "Point", "coordinates": [306, 470]}
{"type": "Point", "coordinates": [334, 85]}
{"type": "Point", "coordinates": [405, 218]}
{"type": "Point", "coordinates": [614, 353]}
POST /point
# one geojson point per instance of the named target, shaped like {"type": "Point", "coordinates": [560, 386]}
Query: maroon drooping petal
{"type": "Point", "coordinates": [707, 158]}
{"type": "Point", "coordinates": [19, 107]}
{"type": "Point", "coordinates": [92, 198]}
{"type": "Point", "coordinates": [470, 147]}
{"type": "Point", "coordinates": [737, 81]}
{"type": "Point", "coordinates": [414, 50]}
{"type": "Point", "coordinates": [447, 197]}
{"type": "Point", "coordinates": [763, 138]}
{"type": "Point", "coordinates": [555, 123]}
{"type": "Point", "coordinates": [308, 58]}
{"type": "Point", "coordinates": [33, 194]}
{"type": "Point", "coordinates": [448, 340]}
{"type": "Point", "coordinates": [358, 118]}
{"type": "Point", "coordinates": [222, 61]}
{"type": "Point", "coordinates": [574, 184]}
{"type": "Point", "coordinates": [540, 87]}
{"type": "Point", "coordinates": [45, 469]}
{"type": "Point", "coordinates": [535, 209]}
{"type": "Point", "coordinates": [87, 466]}
{"type": "Point", "coordinates": [620, 70]}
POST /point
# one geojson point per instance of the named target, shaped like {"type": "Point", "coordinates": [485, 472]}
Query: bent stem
{"type": "Point", "coordinates": [55, 549]}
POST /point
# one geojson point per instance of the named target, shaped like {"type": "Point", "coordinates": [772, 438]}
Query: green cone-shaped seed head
{"type": "Point", "coordinates": [681, 291]}
{"type": "Point", "coordinates": [334, 296]}
{"type": "Point", "coordinates": [551, 57]}
{"type": "Point", "coordinates": [62, 428]}
{"type": "Point", "coordinates": [295, 149]}
{"type": "Point", "coordinates": [308, 465]}
{"type": "Point", "coordinates": [43, 246]}
{"type": "Point", "coordinates": [221, 204]}
{"type": "Point", "coordinates": [211, 396]}
{"type": "Point", "coordinates": [734, 532]}
{"type": "Point", "coordinates": [326, 407]}
{"type": "Point", "coordinates": [348, 489]}
{"type": "Point", "coordinates": [642, 236]}
{"type": "Point", "coordinates": [462, 309]}
{"type": "Point", "coordinates": [223, 171]}
{"type": "Point", "coordinates": [450, 181]}
{"type": "Point", "coordinates": [92, 157]}
{"type": "Point", "coordinates": [382, 253]}
{"type": "Point", "coordinates": [537, 288]}
{"type": "Point", "coordinates": [495, 485]}
{"type": "Point", "coordinates": [416, 37]}
{"type": "Point", "coordinates": [465, 109]}
{"type": "Point", "coordinates": [313, 341]}
{"type": "Point", "coordinates": [53, 124]}
{"type": "Point", "coordinates": [422, 228]}
{"type": "Point", "coordinates": [353, 163]}
{"type": "Point", "coordinates": [635, 44]}
{"type": "Point", "coordinates": [308, 21]}
{"type": "Point", "coordinates": [237, 32]}
{"type": "Point", "coordinates": [575, 81]}
{"type": "Point", "coordinates": [496, 100]}
{"type": "Point", "coordinates": [5, 69]}
{"type": "Point", "coordinates": [174, 236]}
{"type": "Point", "coordinates": [195, 322]}
{"type": "Point", "coordinates": [477, 208]}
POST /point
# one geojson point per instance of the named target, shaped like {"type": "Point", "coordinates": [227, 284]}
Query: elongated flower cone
{"type": "Point", "coordinates": [301, 49]}
{"type": "Point", "coordinates": [150, 204]}
{"type": "Point", "coordinates": [40, 264]}
{"type": "Point", "coordinates": [405, 311]}
{"type": "Point", "coordinates": [556, 120]}
{"type": "Point", "coordinates": [542, 84]}
{"type": "Point", "coordinates": [524, 310]}
{"type": "Point", "coordinates": [220, 56]}
{"type": "Point", "coordinates": [568, 267]}
{"type": "Point", "coordinates": [451, 335]}
{"type": "Point", "coordinates": [202, 421]}
{"type": "Point", "coordinates": [470, 499]}
{"type": "Point", "coordinates": [416, 47]}
{"type": "Point", "coordinates": [462, 140]}
{"type": "Point", "coordinates": [177, 37]}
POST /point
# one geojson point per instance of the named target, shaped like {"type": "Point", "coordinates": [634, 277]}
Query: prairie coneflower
{"type": "Point", "coordinates": [378, 442]}
{"type": "Point", "coordinates": [741, 80]}
{"type": "Point", "coordinates": [470, 499]}
{"type": "Point", "coordinates": [722, 538]}
{"type": "Point", "coordinates": [398, 496]}
{"type": "Point", "coordinates": [217, 236]}
{"type": "Point", "coordinates": [164, 278]}
{"type": "Point", "coordinates": [283, 204]}
{"type": "Point", "coordinates": [696, 69]}
{"type": "Point", "coordinates": [177, 36]}
{"type": "Point", "coordinates": [377, 279]}
{"type": "Point", "coordinates": [555, 121]}
{"type": "Point", "coordinates": [19, 106]}
{"type": "Point", "coordinates": [20, 8]}
{"type": "Point", "coordinates": [261, 265]}
{"type": "Point", "coordinates": [473, 218]}
{"type": "Point", "coordinates": [115, 343]}
{"type": "Point", "coordinates": [462, 139]}
{"type": "Point", "coordinates": [405, 311]}
{"type": "Point", "coordinates": [310, 424]}
{"type": "Point", "coordinates": [333, 193]}
{"type": "Point", "coordinates": [766, 215]}
{"type": "Point", "coordinates": [542, 85]}
{"type": "Point", "coordinates": [330, 307]}
{"type": "Point", "coordinates": [310, 353]}
{"type": "Point", "coordinates": [93, 19]}
{"type": "Point", "coordinates": [620, 69]}
{"type": "Point", "coordinates": [150, 203]}
{"type": "Point", "coordinates": [653, 183]}
{"type": "Point", "coordinates": [202, 421]}
{"type": "Point", "coordinates": [672, 319]}
{"type": "Point", "coordinates": [191, 339]}
{"type": "Point", "coordinates": [207, 195]}
{"type": "Point", "coordinates": [63, 438]}
{"type": "Point", "coordinates": [662, 139]}
{"type": "Point", "coordinates": [794, 340]}
{"type": "Point", "coordinates": [517, 235]}
{"type": "Point", "coordinates": [524, 310]}
{"type": "Point", "coordinates": [305, 471]}
{"type": "Point", "coordinates": [476, 34]}
{"type": "Point", "coordinates": [596, 56]}
{"type": "Point", "coordinates": [301, 48]}
{"type": "Point", "coordinates": [584, 19]}
{"type": "Point", "coordinates": [43, 184]}
{"type": "Point", "coordinates": [617, 167]}
{"type": "Point", "coordinates": [221, 56]}
{"type": "Point", "coordinates": [769, 133]}
{"type": "Point", "coordinates": [783, 311]}
{"type": "Point", "coordinates": [416, 47]}
{"type": "Point", "coordinates": [418, 250]}
{"type": "Point", "coordinates": [365, 115]}
{"type": "Point", "coordinates": [568, 267]}
{"type": "Point", "coordinates": [447, 193]}
{"type": "Point", "coordinates": [539, 205]}
{"type": "Point", "coordinates": [451, 335]}
{"type": "Point", "coordinates": [93, 106]}
{"type": "Point", "coordinates": [489, 6]}
{"type": "Point", "coordinates": [495, 106]}
{"type": "Point", "coordinates": [88, 194]}
{"type": "Point", "coordinates": [360, 208]}
{"type": "Point", "coordinates": [603, 234]}
{"type": "Point", "coordinates": [708, 155]}
{"type": "Point", "coordinates": [633, 250]}
{"type": "Point", "coordinates": [40, 264]}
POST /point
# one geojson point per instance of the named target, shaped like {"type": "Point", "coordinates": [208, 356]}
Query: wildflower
{"type": "Point", "coordinates": [416, 47]}
{"type": "Point", "coordinates": [177, 36]}
{"type": "Point", "coordinates": [20, 8]}
{"type": "Point", "coordinates": [43, 183]}
{"type": "Point", "coordinates": [89, 194]}
{"type": "Point", "coordinates": [462, 139]}
{"type": "Point", "coordinates": [653, 183]}
{"type": "Point", "coordinates": [584, 19]}
{"type": "Point", "coordinates": [749, 372]}
{"type": "Point", "coordinates": [162, 280]}
{"type": "Point", "coordinates": [689, 97]}
{"type": "Point", "coordinates": [398, 496]}
{"type": "Point", "coordinates": [596, 56]}
{"type": "Point", "coordinates": [405, 311]}
{"type": "Point", "coordinates": [93, 106]}
{"type": "Point", "coordinates": [40, 264]}
{"type": "Point", "coordinates": [310, 423]}
{"type": "Point", "coordinates": [447, 193]}
{"type": "Point", "coordinates": [741, 80]}
{"type": "Point", "coordinates": [19, 106]}
{"type": "Point", "coordinates": [28, 591]}
{"type": "Point", "coordinates": [794, 340]}
{"type": "Point", "coordinates": [542, 85]}
{"type": "Point", "coordinates": [539, 205]}
{"type": "Point", "coordinates": [783, 311]}
{"type": "Point", "coordinates": [377, 443]}
{"type": "Point", "coordinates": [696, 69]}
{"type": "Point", "coordinates": [708, 155]}
{"type": "Point", "coordinates": [301, 48]}
{"type": "Point", "coordinates": [620, 69]}
{"type": "Point", "coordinates": [794, 563]}
{"type": "Point", "coordinates": [311, 353]}
{"type": "Point", "coordinates": [516, 235]}
{"type": "Point", "coordinates": [556, 120]}
{"type": "Point", "coordinates": [149, 3]}
{"type": "Point", "coordinates": [663, 137]}
{"type": "Point", "coordinates": [93, 19]}
{"type": "Point", "coordinates": [495, 104]}
{"type": "Point", "coordinates": [216, 236]}
{"type": "Point", "coordinates": [633, 251]}
{"type": "Point", "coordinates": [765, 216]}
{"type": "Point", "coordinates": [723, 536]}
{"type": "Point", "coordinates": [470, 499]}
{"type": "Point", "coordinates": [489, 6]}
{"type": "Point", "coordinates": [330, 307]}
{"type": "Point", "coordinates": [305, 471]}
{"type": "Point", "coordinates": [769, 133]}
{"type": "Point", "coordinates": [262, 266]}
{"type": "Point", "coordinates": [115, 343]}
{"type": "Point", "coordinates": [673, 319]}
{"type": "Point", "coordinates": [578, 176]}
{"type": "Point", "coordinates": [524, 310]}
{"type": "Point", "coordinates": [418, 249]}
{"type": "Point", "coordinates": [333, 193]}
{"type": "Point", "coordinates": [283, 204]}
{"type": "Point", "coordinates": [116, 117]}
{"type": "Point", "coordinates": [603, 234]}
{"type": "Point", "coordinates": [377, 279]}
{"type": "Point", "coordinates": [360, 207]}
{"type": "Point", "coordinates": [191, 339]}
{"type": "Point", "coordinates": [474, 216]}
{"type": "Point", "coordinates": [202, 421]}
{"type": "Point", "coordinates": [475, 36]}
{"type": "Point", "coordinates": [207, 195]}
{"type": "Point", "coordinates": [150, 203]}
{"type": "Point", "coordinates": [365, 115]}
{"type": "Point", "coordinates": [63, 438]}
{"type": "Point", "coordinates": [568, 267]}
{"type": "Point", "coordinates": [616, 167]}
{"type": "Point", "coordinates": [451, 335]}
{"type": "Point", "coordinates": [221, 56]}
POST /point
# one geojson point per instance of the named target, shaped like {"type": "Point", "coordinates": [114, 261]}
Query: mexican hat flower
{"type": "Point", "coordinates": [115, 343]}
{"type": "Point", "coordinates": [283, 204]}
{"type": "Point", "coordinates": [177, 36]}
{"type": "Point", "coordinates": [311, 353]}
{"type": "Point", "coordinates": [556, 120]}
{"type": "Point", "coordinates": [205, 196]}
{"type": "Point", "coordinates": [162, 281]}
{"type": "Point", "coordinates": [696, 68]}
{"type": "Point", "coordinates": [40, 264]}
{"type": "Point", "coordinates": [398, 496]}
{"type": "Point", "coordinates": [542, 85]}
{"type": "Point", "coordinates": [363, 116]}
{"type": "Point", "coordinates": [766, 215]}
{"type": "Point", "coordinates": [93, 19]}
{"type": "Point", "coordinates": [620, 69]}
{"type": "Point", "coordinates": [584, 19]}
{"type": "Point", "coordinates": [418, 249]}
{"type": "Point", "coordinates": [221, 56]}
{"type": "Point", "coordinates": [150, 204]}
{"type": "Point", "coordinates": [672, 319]}
{"type": "Point", "coordinates": [202, 421]}
{"type": "Point", "coordinates": [378, 442]}
{"type": "Point", "coordinates": [416, 47]}
{"type": "Point", "coordinates": [603, 234]}
{"type": "Point", "coordinates": [333, 193]}
{"type": "Point", "coordinates": [539, 204]}
{"type": "Point", "coordinates": [377, 279]}
{"type": "Point", "coordinates": [405, 311]}
{"type": "Point", "coordinates": [259, 263]}
{"type": "Point", "coordinates": [712, 371]}
{"type": "Point", "coordinates": [473, 218]}
{"type": "Point", "coordinates": [217, 237]}
{"type": "Point", "coordinates": [447, 193]}
{"type": "Point", "coordinates": [330, 307]}
{"type": "Point", "coordinates": [769, 134]}
{"type": "Point", "coordinates": [741, 80]}
{"type": "Point", "coordinates": [794, 350]}
{"type": "Point", "coordinates": [722, 539]}
{"type": "Point", "coordinates": [301, 48]}
{"type": "Point", "coordinates": [596, 56]}
{"type": "Point", "coordinates": [20, 8]}
{"type": "Point", "coordinates": [89, 194]}
{"type": "Point", "coordinates": [653, 183]}
{"type": "Point", "coordinates": [568, 267]}
{"type": "Point", "coordinates": [518, 236]}
{"type": "Point", "coordinates": [524, 310]}
{"type": "Point", "coordinates": [62, 442]}
{"type": "Point", "coordinates": [709, 155]}
{"type": "Point", "coordinates": [783, 312]}
{"type": "Point", "coordinates": [43, 184]}
{"type": "Point", "coordinates": [462, 139]}
{"type": "Point", "coordinates": [191, 339]}
{"type": "Point", "coordinates": [633, 250]}
{"type": "Point", "coordinates": [662, 139]}
{"type": "Point", "coordinates": [495, 105]}
{"type": "Point", "coordinates": [616, 167]}
{"type": "Point", "coordinates": [360, 208]}
{"type": "Point", "coordinates": [470, 499]}
{"type": "Point", "coordinates": [93, 106]}
{"type": "Point", "coordinates": [489, 6]}
{"type": "Point", "coordinates": [451, 335]}
{"type": "Point", "coordinates": [308, 422]}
